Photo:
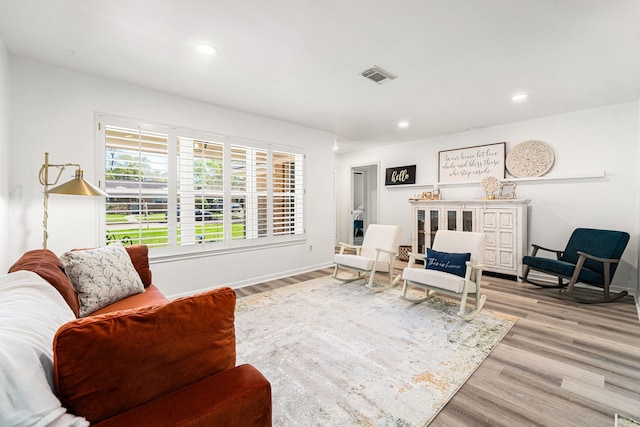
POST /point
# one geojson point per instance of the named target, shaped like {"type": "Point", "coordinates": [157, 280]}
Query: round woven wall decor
{"type": "Point", "coordinates": [530, 158]}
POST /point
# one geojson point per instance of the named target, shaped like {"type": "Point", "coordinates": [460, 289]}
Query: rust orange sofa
{"type": "Point", "coordinates": [147, 361]}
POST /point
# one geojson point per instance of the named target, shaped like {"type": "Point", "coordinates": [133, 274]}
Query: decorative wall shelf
{"type": "Point", "coordinates": [586, 175]}
{"type": "Point", "coordinates": [600, 174]}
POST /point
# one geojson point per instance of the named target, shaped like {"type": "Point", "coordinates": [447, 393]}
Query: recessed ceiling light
{"type": "Point", "coordinates": [520, 97]}
{"type": "Point", "coordinates": [403, 124]}
{"type": "Point", "coordinates": [206, 49]}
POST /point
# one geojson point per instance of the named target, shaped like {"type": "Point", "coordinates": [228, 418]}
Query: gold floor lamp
{"type": "Point", "coordinates": [77, 186]}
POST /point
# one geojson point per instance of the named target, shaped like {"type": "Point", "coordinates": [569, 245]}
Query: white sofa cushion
{"type": "Point", "coordinates": [31, 311]}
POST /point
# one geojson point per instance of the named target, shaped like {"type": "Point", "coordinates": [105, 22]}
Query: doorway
{"type": "Point", "coordinates": [364, 200]}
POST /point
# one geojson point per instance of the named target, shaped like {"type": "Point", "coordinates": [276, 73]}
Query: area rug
{"type": "Point", "coordinates": [339, 354]}
{"type": "Point", "coordinates": [622, 421]}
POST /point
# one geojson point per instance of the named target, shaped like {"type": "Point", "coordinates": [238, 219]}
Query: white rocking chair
{"type": "Point", "coordinates": [376, 254]}
{"type": "Point", "coordinates": [443, 282]}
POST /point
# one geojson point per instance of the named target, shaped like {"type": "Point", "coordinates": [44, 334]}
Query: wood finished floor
{"type": "Point", "coordinates": [562, 364]}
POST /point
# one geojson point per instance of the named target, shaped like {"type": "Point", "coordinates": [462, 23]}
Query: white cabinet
{"type": "Point", "coordinates": [503, 221]}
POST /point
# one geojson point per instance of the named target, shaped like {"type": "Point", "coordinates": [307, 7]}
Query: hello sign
{"type": "Point", "coordinates": [403, 175]}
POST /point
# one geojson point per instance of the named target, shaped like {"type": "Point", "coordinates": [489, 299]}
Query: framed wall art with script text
{"type": "Point", "coordinates": [403, 175]}
{"type": "Point", "coordinates": [471, 164]}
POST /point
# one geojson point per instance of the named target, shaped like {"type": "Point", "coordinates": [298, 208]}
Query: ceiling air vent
{"type": "Point", "coordinates": [378, 75]}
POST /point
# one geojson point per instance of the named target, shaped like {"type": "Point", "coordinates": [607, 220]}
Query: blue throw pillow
{"type": "Point", "coordinates": [447, 262]}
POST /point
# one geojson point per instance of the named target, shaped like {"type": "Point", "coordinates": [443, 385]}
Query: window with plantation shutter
{"type": "Point", "coordinates": [136, 181]}
{"type": "Point", "coordinates": [179, 191]}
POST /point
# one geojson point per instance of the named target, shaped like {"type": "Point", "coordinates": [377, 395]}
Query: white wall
{"type": "Point", "coordinates": [585, 141]}
{"type": "Point", "coordinates": [4, 158]}
{"type": "Point", "coordinates": [637, 193]}
{"type": "Point", "coordinates": [52, 109]}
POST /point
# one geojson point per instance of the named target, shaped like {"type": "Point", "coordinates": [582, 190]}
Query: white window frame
{"type": "Point", "coordinates": [227, 244]}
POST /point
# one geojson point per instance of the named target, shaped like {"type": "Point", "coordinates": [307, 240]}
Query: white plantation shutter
{"type": "Point", "coordinates": [288, 193]}
{"type": "Point", "coordinates": [171, 189]}
{"type": "Point", "coordinates": [200, 191]}
{"type": "Point", "coordinates": [249, 190]}
{"type": "Point", "coordinates": [136, 181]}
{"type": "Point", "coordinates": [260, 200]}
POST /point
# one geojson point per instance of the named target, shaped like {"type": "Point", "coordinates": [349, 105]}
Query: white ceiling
{"type": "Point", "coordinates": [457, 62]}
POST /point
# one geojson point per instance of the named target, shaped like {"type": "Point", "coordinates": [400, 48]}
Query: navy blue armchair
{"type": "Point", "coordinates": [591, 257]}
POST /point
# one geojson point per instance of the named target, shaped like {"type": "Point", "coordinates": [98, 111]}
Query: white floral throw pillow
{"type": "Point", "coordinates": [101, 276]}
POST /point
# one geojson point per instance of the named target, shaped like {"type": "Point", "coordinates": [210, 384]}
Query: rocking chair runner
{"type": "Point", "coordinates": [376, 254]}
{"type": "Point", "coordinates": [591, 257]}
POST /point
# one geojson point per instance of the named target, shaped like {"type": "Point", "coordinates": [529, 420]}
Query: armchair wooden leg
{"type": "Point", "coordinates": [480, 300]}
{"type": "Point", "coordinates": [525, 279]}
{"type": "Point", "coordinates": [371, 285]}
{"type": "Point", "coordinates": [405, 287]}
{"type": "Point", "coordinates": [580, 299]}
{"type": "Point", "coordinates": [527, 269]}
{"type": "Point", "coordinates": [471, 314]}
{"type": "Point", "coordinates": [346, 279]}
{"type": "Point", "coordinates": [569, 292]}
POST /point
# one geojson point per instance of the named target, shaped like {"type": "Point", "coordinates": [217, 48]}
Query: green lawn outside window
{"type": "Point", "coordinates": [159, 236]}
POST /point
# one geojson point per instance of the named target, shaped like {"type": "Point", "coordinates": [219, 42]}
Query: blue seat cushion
{"type": "Point", "coordinates": [563, 269]}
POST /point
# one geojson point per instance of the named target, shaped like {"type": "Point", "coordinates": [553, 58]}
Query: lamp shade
{"type": "Point", "coordinates": [78, 186]}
